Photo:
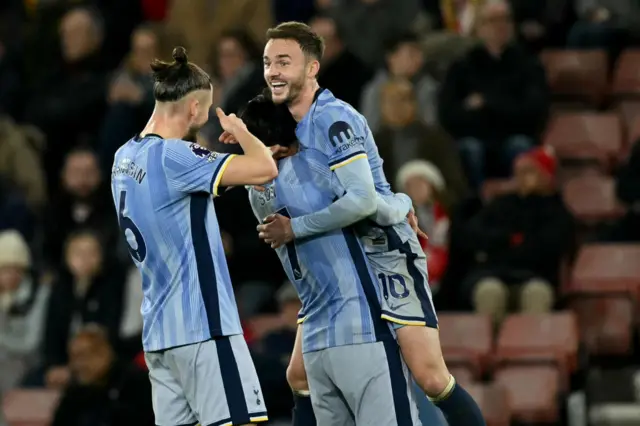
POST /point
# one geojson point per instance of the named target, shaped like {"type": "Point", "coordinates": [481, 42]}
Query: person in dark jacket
{"type": "Point", "coordinates": [104, 391]}
{"type": "Point", "coordinates": [518, 241]}
{"type": "Point", "coordinates": [494, 100]}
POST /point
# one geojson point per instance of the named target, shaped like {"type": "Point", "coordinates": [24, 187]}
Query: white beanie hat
{"type": "Point", "coordinates": [14, 250]}
{"type": "Point", "coordinates": [424, 169]}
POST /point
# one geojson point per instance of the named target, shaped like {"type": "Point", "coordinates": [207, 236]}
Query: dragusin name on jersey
{"type": "Point", "coordinates": [129, 168]}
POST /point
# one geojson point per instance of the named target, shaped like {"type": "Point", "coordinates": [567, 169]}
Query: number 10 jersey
{"type": "Point", "coordinates": [162, 192]}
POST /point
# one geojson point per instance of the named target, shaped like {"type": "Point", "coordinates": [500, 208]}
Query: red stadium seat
{"type": "Point", "coordinates": [577, 75]}
{"type": "Point", "coordinates": [607, 268]}
{"type": "Point", "coordinates": [630, 116]}
{"type": "Point", "coordinates": [463, 375]}
{"type": "Point", "coordinates": [591, 198]}
{"type": "Point", "coordinates": [493, 401]}
{"type": "Point", "coordinates": [533, 393]}
{"type": "Point", "coordinates": [586, 136]}
{"type": "Point", "coordinates": [466, 340]}
{"type": "Point", "coordinates": [30, 407]}
{"type": "Point", "coordinates": [532, 338]}
{"type": "Point", "coordinates": [626, 80]}
{"type": "Point", "coordinates": [605, 322]}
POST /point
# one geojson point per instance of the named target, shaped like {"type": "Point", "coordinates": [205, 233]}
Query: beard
{"type": "Point", "coordinates": [294, 89]}
{"type": "Point", "coordinates": [192, 134]}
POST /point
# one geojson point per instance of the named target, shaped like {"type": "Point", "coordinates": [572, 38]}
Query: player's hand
{"type": "Point", "coordinates": [227, 138]}
{"type": "Point", "coordinates": [413, 221]}
{"type": "Point", "coordinates": [231, 123]}
{"type": "Point", "coordinates": [276, 230]}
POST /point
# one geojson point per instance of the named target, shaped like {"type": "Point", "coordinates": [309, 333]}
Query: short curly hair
{"type": "Point", "coordinates": [272, 124]}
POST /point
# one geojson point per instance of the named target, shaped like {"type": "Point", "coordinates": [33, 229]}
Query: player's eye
{"type": "Point", "coordinates": [283, 63]}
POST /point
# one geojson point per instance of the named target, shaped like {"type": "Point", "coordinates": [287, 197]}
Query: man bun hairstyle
{"type": "Point", "coordinates": [272, 124]}
{"type": "Point", "coordinates": [174, 80]}
{"type": "Point", "coordinates": [311, 43]}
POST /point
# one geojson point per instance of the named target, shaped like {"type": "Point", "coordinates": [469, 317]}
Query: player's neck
{"type": "Point", "coordinates": [166, 125]}
{"type": "Point", "coordinates": [302, 104]}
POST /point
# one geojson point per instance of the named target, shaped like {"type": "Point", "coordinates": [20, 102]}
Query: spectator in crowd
{"type": "Point", "coordinates": [14, 211]}
{"type": "Point", "coordinates": [404, 60]}
{"type": "Point", "coordinates": [22, 310]}
{"type": "Point", "coordinates": [11, 77]}
{"type": "Point", "coordinates": [605, 24]}
{"type": "Point", "coordinates": [340, 70]}
{"type": "Point", "coordinates": [423, 182]}
{"type": "Point", "coordinates": [68, 104]}
{"type": "Point", "coordinates": [104, 390]}
{"type": "Point", "coordinates": [88, 291]}
{"type": "Point", "coordinates": [519, 240]}
{"type": "Point", "coordinates": [627, 229]}
{"type": "Point", "coordinates": [494, 100]}
{"type": "Point", "coordinates": [238, 69]}
{"type": "Point", "coordinates": [201, 23]}
{"type": "Point", "coordinates": [130, 94]}
{"type": "Point", "coordinates": [543, 23]}
{"type": "Point", "coordinates": [20, 149]}
{"type": "Point", "coordinates": [83, 201]}
{"type": "Point", "coordinates": [403, 137]}
{"type": "Point", "coordinates": [367, 24]}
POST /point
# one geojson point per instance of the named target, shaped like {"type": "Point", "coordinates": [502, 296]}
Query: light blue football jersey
{"type": "Point", "coordinates": [341, 300]}
{"type": "Point", "coordinates": [162, 190]}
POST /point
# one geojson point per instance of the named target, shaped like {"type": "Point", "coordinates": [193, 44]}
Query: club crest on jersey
{"type": "Point", "coordinates": [202, 152]}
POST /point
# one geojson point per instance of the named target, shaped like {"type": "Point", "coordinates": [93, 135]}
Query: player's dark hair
{"type": "Point", "coordinates": [311, 43]}
{"type": "Point", "coordinates": [392, 44]}
{"type": "Point", "coordinates": [272, 124]}
{"type": "Point", "coordinates": [174, 80]}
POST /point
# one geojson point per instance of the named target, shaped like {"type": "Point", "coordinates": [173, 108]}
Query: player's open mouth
{"type": "Point", "coordinates": [277, 87]}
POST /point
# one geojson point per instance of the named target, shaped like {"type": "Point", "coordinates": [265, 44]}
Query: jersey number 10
{"type": "Point", "coordinates": [138, 250]}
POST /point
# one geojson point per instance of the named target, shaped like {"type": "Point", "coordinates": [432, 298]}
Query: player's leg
{"type": "Point", "coordinates": [419, 340]}
{"type": "Point", "coordinates": [329, 405]}
{"type": "Point", "coordinates": [375, 383]}
{"type": "Point", "coordinates": [297, 378]}
{"type": "Point", "coordinates": [221, 382]}
{"type": "Point", "coordinates": [170, 404]}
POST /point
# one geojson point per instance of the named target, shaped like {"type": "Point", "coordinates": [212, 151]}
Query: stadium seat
{"type": "Point", "coordinates": [626, 80]}
{"type": "Point", "coordinates": [577, 75]}
{"type": "Point", "coordinates": [493, 400]}
{"type": "Point", "coordinates": [463, 375]}
{"type": "Point", "coordinates": [24, 407]}
{"type": "Point", "coordinates": [533, 393]}
{"type": "Point", "coordinates": [492, 188]}
{"type": "Point", "coordinates": [591, 198]}
{"type": "Point", "coordinates": [467, 341]}
{"type": "Point", "coordinates": [630, 116]}
{"type": "Point", "coordinates": [540, 338]}
{"type": "Point", "coordinates": [586, 136]}
{"type": "Point", "coordinates": [605, 322]}
{"type": "Point", "coordinates": [606, 268]}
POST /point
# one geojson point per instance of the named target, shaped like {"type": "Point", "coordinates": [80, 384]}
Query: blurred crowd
{"type": "Point", "coordinates": [453, 91]}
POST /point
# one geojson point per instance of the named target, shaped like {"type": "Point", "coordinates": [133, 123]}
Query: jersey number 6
{"type": "Point", "coordinates": [139, 249]}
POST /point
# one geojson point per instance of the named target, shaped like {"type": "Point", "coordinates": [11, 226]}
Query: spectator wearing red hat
{"type": "Point", "coordinates": [518, 241]}
{"type": "Point", "coordinates": [422, 181]}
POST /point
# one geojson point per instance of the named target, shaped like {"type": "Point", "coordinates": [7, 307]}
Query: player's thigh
{"type": "Point", "coordinates": [375, 383]}
{"type": "Point", "coordinates": [296, 374]}
{"type": "Point", "coordinates": [170, 404]}
{"type": "Point", "coordinates": [221, 382]}
{"type": "Point", "coordinates": [406, 296]}
{"type": "Point", "coordinates": [329, 405]}
{"type": "Point", "coordinates": [420, 348]}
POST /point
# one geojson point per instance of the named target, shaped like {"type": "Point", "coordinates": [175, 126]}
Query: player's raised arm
{"type": "Point", "coordinates": [256, 166]}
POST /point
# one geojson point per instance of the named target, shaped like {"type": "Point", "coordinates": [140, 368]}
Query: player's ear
{"type": "Point", "coordinates": [314, 68]}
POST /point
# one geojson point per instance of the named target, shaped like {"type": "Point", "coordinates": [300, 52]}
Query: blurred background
{"type": "Point", "coordinates": [513, 126]}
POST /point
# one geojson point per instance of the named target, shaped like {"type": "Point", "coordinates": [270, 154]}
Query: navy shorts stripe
{"type": "Point", "coordinates": [381, 327]}
{"type": "Point", "coordinates": [204, 262]}
{"type": "Point", "coordinates": [232, 383]}
{"type": "Point", "coordinates": [395, 243]}
{"type": "Point", "coordinates": [399, 384]}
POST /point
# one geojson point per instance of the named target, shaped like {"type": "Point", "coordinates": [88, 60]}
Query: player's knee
{"type": "Point", "coordinates": [432, 377]}
{"type": "Point", "coordinates": [297, 377]}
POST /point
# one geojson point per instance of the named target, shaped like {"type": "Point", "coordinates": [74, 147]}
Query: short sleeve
{"type": "Point", "coordinates": [341, 134]}
{"type": "Point", "coordinates": [190, 167]}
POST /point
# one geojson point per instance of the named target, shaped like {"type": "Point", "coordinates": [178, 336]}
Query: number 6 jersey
{"type": "Point", "coordinates": [162, 193]}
